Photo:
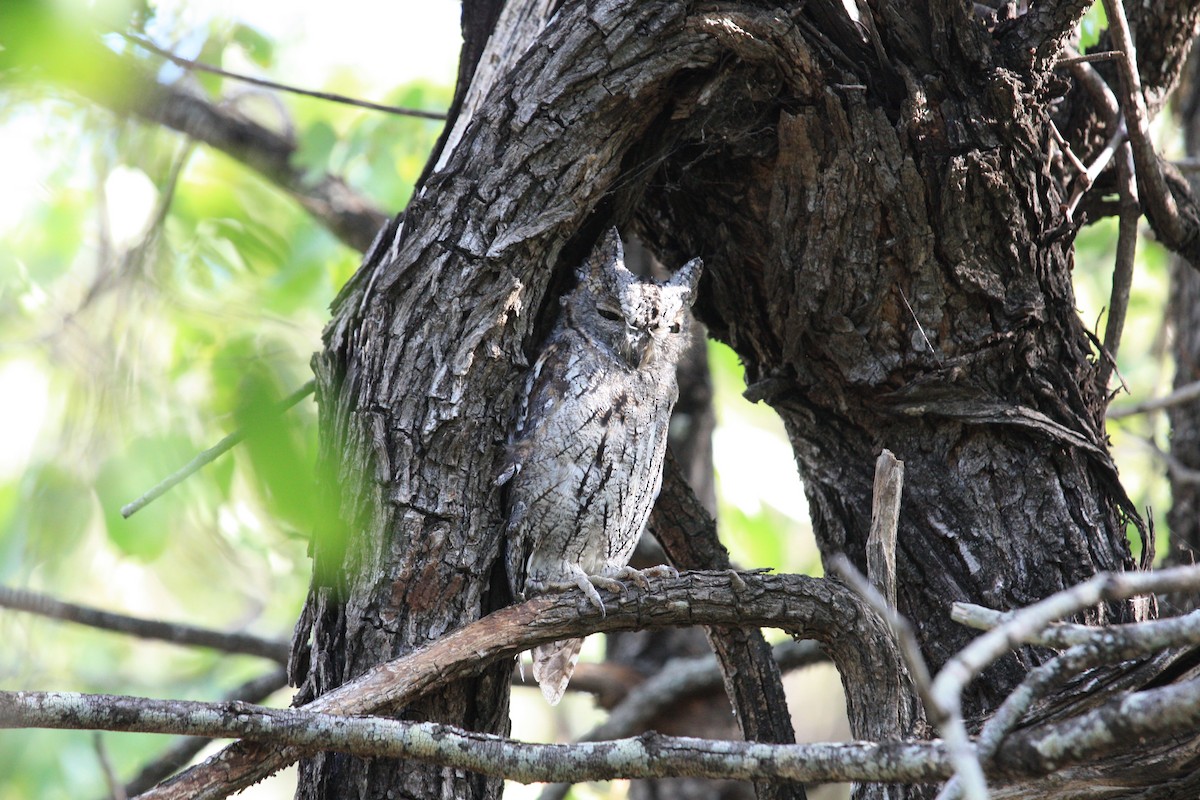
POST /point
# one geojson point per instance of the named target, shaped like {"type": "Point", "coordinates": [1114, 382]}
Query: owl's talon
{"type": "Point", "coordinates": [588, 584]}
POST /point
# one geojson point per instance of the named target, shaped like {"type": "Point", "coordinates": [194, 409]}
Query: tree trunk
{"type": "Point", "coordinates": [881, 223]}
{"type": "Point", "coordinates": [1183, 519]}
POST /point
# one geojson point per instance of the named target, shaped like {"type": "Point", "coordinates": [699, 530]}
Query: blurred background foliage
{"type": "Point", "coordinates": [156, 295]}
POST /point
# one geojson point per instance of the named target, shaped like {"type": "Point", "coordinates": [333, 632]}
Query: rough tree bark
{"type": "Point", "coordinates": [1184, 314]}
{"type": "Point", "coordinates": [882, 224]}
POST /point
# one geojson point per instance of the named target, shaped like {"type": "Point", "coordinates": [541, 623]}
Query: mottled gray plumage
{"type": "Point", "coordinates": [585, 463]}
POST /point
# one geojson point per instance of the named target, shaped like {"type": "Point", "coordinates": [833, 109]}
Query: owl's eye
{"type": "Point", "coordinates": [676, 328]}
{"type": "Point", "coordinates": [608, 313]}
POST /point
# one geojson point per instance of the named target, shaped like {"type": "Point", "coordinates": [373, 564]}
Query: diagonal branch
{"type": "Point", "coordinates": [180, 754]}
{"type": "Point", "coordinates": [332, 97]}
{"type": "Point", "coordinates": [1160, 203]}
{"type": "Point", "coordinates": [208, 456]}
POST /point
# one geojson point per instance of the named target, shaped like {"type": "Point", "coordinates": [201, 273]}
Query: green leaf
{"type": "Point", "coordinates": [57, 507]}
{"type": "Point", "coordinates": [257, 47]}
{"type": "Point", "coordinates": [315, 148]}
{"type": "Point", "coordinates": [131, 474]}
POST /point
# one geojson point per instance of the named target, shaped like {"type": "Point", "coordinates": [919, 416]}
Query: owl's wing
{"type": "Point", "coordinates": [545, 388]}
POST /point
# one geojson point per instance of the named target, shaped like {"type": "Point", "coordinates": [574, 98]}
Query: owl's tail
{"type": "Point", "coordinates": [553, 665]}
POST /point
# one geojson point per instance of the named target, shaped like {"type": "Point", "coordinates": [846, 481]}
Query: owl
{"type": "Point", "coordinates": [584, 464]}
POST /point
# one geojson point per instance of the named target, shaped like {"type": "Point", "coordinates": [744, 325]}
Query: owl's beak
{"type": "Point", "coordinates": [637, 351]}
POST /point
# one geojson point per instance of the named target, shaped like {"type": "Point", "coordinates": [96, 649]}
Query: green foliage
{"type": "Point", "coordinates": [763, 513]}
{"type": "Point", "coordinates": [1094, 22]}
{"type": "Point", "coordinates": [156, 296]}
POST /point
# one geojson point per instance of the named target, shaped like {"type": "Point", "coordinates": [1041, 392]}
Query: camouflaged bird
{"type": "Point", "coordinates": [584, 465]}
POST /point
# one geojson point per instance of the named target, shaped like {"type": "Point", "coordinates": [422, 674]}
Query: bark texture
{"type": "Point", "coordinates": [880, 213]}
{"type": "Point", "coordinates": [1184, 516]}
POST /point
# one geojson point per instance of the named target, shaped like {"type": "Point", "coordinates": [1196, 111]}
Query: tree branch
{"type": "Point", "coordinates": [752, 679]}
{"type": "Point", "coordinates": [1184, 394]}
{"type": "Point", "coordinates": [806, 607]}
{"type": "Point", "coordinates": [208, 456]}
{"type": "Point", "coordinates": [176, 633]}
{"type": "Point", "coordinates": [181, 753]}
{"type": "Point", "coordinates": [1160, 203]}
{"type": "Point", "coordinates": [646, 756]}
{"type": "Point", "coordinates": [983, 651]}
{"type": "Point", "coordinates": [332, 97]}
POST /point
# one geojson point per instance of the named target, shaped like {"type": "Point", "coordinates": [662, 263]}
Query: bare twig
{"type": "Point", "coordinates": [1107, 55]}
{"type": "Point", "coordinates": [1121, 642]}
{"type": "Point", "coordinates": [1160, 203]}
{"type": "Point", "coordinates": [1180, 472]}
{"type": "Point", "coordinates": [209, 455]}
{"type": "Point", "coordinates": [115, 790]}
{"type": "Point", "coordinates": [1122, 281]}
{"type": "Point", "coordinates": [1184, 394]}
{"type": "Point", "coordinates": [1086, 179]}
{"type": "Point", "coordinates": [199, 66]}
{"type": "Point", "coordinates": [1088, 646]}
{"type": "Point", "coordinates": [1065, 147]}
{"type": "Point", "coordinates": [909, 648]}
{"type": "Point", "coordinates": [186, 635]}
{"type": "Point", "coordinates": [981, 652]}
{"type": "Point", "coordinates": [1037, 683]}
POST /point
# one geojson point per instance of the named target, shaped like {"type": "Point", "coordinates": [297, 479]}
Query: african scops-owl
{"type": "Point", "coordinates": [585, 460]}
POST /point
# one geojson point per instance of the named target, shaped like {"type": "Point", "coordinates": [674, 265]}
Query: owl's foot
{"type": "Point", "coordinates": [584, 583]}
{"type": "Point", "coordinates": [642, 576]}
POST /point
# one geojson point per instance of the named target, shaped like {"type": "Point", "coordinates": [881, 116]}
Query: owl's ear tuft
{"type": "Point", "coordinates": [688, 277]}
{"type": "Point", "coordinates": [605, 265]}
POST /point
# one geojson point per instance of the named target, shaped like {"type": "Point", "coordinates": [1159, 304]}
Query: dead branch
{"type": "Point", "coordinates": [1160, 203]}
{"type": "Point", "coordinates": [332, 97]}
{"type": "Point", "coordinates": [1184, 394]}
